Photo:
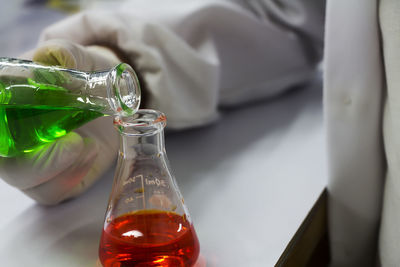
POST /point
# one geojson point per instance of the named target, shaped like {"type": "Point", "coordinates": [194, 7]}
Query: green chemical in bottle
{"type": "Point", "coordinates": [39, 104]}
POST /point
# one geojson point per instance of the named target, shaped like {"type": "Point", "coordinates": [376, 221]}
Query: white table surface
{"type": "Point", "coordinates": [248, 181]}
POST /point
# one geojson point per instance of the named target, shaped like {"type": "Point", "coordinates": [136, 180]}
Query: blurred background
{"type": "Point", "coordinates": [16, 15]}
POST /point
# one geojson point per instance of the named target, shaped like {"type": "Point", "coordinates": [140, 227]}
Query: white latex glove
{"type": "Point", "coordinates": [68, 166]}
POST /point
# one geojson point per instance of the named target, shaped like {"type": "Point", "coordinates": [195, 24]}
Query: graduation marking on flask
{"type": "Point", "coordinates": [155, 181]}
{"type": "Point", "coordinates": [138, 190]}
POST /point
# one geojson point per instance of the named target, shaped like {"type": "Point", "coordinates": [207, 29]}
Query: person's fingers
{"type": "Point", "coordinates": [103, 132]}
{"type": "Point", "coordinates": [42, 164]}
{"type": "Point", "coordinates": [61, 186]}
{"type": "Point", "coordinates": [106, 138]}
{"type": "Point", "coordinates": [58, 52]}
{"type": "Point", "coordinates": [88, 167]}
{"type": "Point", "coordinates": [71, 55]}
{"type": "Point", "coordinates": [28, 55]}
{"type": "Point", "coordinates": [102, 57]}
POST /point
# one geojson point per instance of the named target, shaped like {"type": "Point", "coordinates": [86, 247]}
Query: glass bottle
{"type": "Point", "coordinates": [41, 103]}
{"type": "Point", "coordinates": [146, 222]}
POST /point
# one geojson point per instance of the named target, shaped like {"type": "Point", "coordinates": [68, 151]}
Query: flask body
{"type": "Point", "coordinates": [147, 222]}
{"type": "Point", "coordinates": [40, 103]}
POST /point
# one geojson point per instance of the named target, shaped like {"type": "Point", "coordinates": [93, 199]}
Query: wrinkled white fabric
{"type": "Point", "coordinates": [196, 55]}
{"type": "Point", "coordinates": [193, 55]}
{"type": "Point", "coordinates": [353, 93]}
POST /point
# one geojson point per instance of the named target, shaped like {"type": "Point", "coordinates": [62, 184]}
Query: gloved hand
{"type": "Point", "coordinates": [68, 166]}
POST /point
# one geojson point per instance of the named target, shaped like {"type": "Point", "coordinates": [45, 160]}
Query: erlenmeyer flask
{"type": "Point", "coordinates": [41, 103]}
{"type": "Point", "coordinates": [146, 222]}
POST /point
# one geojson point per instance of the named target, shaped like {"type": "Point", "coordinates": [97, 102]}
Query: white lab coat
{"type": "Point", "coordinates": [362, 105]}
{"type": "Point", "coordinates": [197, 55]}
{"type": "Point", "coordinates": [389, 238]}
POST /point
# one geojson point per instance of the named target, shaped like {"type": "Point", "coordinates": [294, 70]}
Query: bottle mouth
{"type": "Point", "coordinates": [143, 122]}
{"type": "Point", "coordinates": [123, 90]}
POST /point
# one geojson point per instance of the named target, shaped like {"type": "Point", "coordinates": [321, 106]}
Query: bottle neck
{"type": "Point", "coordinates": [116, 91]}
{"type": "Point", "coordinates": [112, 92]}
{"type": "Point", "coordinates": [95, 92]}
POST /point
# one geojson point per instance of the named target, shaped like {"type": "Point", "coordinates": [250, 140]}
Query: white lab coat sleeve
{"type": "Point", "coordinates": [389, 237]}
{"type": "Point", "coordinates": [353, 89]}
{"type": "Point", "coordinates": [195, 55]}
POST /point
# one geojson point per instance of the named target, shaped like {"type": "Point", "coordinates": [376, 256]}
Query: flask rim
{"type": "Point", "coordinates": [143, 122]}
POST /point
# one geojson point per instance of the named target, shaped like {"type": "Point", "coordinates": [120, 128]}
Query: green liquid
{"type": "Point", "coordinates": [33, 114]}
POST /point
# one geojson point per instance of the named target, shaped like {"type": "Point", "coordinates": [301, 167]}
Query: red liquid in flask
{"type": "Point", "coordinates": [149, 238]}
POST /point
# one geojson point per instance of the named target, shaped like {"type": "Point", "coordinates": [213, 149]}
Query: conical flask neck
{"type": "Point", "coordinates": [142, 134]}
{"type": "Point", "coordinates": [120, 87]}
{"type": "Point", "coordinates": [152, 145]}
